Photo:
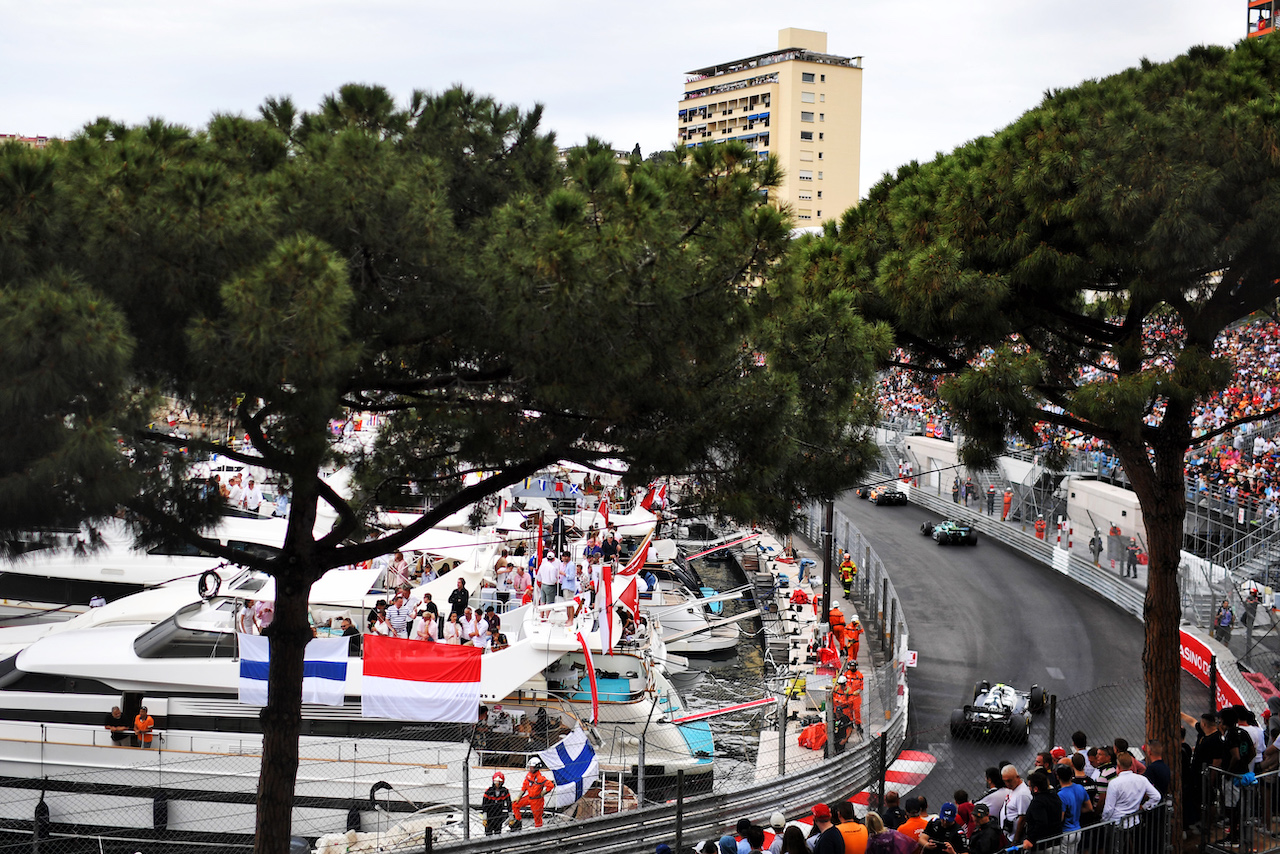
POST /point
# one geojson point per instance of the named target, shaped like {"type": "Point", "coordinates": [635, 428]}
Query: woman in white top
{"type": "Point", "coordinates": [382, 625]}
{"type": "Point", "coordinates": [470, 629]}
{"type": "Point", "coordinates": [453, 630]}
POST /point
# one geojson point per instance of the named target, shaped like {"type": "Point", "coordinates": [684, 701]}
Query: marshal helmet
{"type": "Point", "coordinates": [498, 778]}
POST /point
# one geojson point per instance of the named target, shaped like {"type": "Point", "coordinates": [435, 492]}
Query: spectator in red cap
{"type": "Point", "coordinates": [1057, 753]}
{"type": "Point", "coordinates": [830, 839]}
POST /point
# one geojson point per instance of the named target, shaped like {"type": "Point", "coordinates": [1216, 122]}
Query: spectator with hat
{"type": "Point", "coordinates": [778, 824]}
{"type": "Point", "coordinates": [915, 821]}
{"type": "Point", "coordinates": [829, 838]}
{"type": "Point", "coordinates": [986, 837]}
{"type": "Point", "coordinates": [944, 833]}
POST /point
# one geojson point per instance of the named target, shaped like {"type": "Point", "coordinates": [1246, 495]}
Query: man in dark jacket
{"type": "Point", "coordinates": [986, 837]}
{"type": "Point", "coordinates": [1044, 815]}
{"type": "Point", "coordinates": [496, 805]}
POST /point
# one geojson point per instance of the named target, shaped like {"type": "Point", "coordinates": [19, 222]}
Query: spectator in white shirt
{"type": "Point", "coordinates": [548, 579]}
{"type": "Point", "coordinates": [1127, 793]}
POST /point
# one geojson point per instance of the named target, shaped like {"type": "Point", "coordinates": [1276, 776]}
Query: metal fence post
{"type": "Point", "coordinates": [782, 736]}
{"type": "Point", "coordinates": [831, 719]}
{"type": "Point", "coordinates": [893, 620]}
{"type": "Point", "coordinates": [640, 771]}
{"type": "Point", "coordinates": [427, 841]}
{"type": "Point", "coordinates": [680, 810]}
{"type": "Point", "coordinates": [1053, 720]}
{"type": "Point", "coordinates": [882, 770]}
{"type": "Point", "coordinates": [880, 615]}
{"type": "Point", "coordinates": [466, 797]}
{"type": "Point", "coordinates": [1213, 683]}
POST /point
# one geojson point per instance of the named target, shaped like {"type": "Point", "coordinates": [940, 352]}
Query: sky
{"type": "Point", "coordinates": [935, 74]}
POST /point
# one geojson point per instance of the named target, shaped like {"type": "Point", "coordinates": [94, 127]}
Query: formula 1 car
{"type": "Point", "coordinates": [998, 711]}
{"type": "Point", "coordinates": [950, 531]}
{"type": "Point", "coordinates": [888, 495]}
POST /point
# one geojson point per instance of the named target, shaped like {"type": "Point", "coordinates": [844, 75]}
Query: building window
{"type": "Point", "coordinates": [819, 194]}
{"type": "Point", "coordinates": [819, 155]}
{"type": "Point", "coordinates": [806, 154]}
{"type": "Point", "coordinates": [804, 214]}
{"type": "Point", "coordinates": [806, 77]}
{"type": "Point", "coordinates": [821, 135]}
{"type": "Point", "coordinates": [824, 78]}
{"type": "Point", "coordinates": [822, 98]}
{"type": "Point", "coordinates": [819, 176]}
{"type": "Point", "coordinates": [807, 174]}
{"type": "Point", "coordinates": [806, 117]}
{"type": "Point", "coordinates": [806, 97]}
{"type": "Point", "coordinates": [822, 117]}
{"type": "Point", "coordinates": [804, 197]}
{"type": "Point", "coordinates": [819, 213]}
{"type": "Point", "coordinates": [806, 135]}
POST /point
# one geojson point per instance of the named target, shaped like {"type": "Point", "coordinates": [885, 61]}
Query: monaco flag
{"type": "Point", "coordinates": [409, 680]}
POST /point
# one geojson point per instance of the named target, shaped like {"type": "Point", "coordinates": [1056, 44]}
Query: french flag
{"type": "Point", "coordinates": [408, 680]}
{"type": "Point", "coordinates": [324, 671]}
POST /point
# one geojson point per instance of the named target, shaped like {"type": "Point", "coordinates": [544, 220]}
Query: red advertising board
{"type": "Point", "coordinates": [1196, 657]}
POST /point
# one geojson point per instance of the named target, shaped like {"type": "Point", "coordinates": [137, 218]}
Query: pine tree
{"type": "Point", "coordinates": [434, 263]}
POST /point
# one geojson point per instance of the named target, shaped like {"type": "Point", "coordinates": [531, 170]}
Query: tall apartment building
{"type": "Point", "coordinates": [29, 141]}
{"type": "Point", "coordinates": [1262, 17]}
{"type": "Point", "coordinates": [798, 103]}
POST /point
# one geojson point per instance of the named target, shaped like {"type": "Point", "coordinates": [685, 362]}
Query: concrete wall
{"type": "Point", "coordinates": [1093, 504]}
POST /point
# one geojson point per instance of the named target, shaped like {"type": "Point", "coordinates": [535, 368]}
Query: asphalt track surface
{"type": "Point", "coordinates": [986, 612]}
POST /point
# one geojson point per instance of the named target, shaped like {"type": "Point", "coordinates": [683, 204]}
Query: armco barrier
{"type": "Point", "coordinates": [706, 816]}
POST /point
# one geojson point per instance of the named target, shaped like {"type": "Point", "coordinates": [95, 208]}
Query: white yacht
{"type": "Point", "coordinates": [62, 575]}
{"type": "Point", "coordinates": [185, 669]}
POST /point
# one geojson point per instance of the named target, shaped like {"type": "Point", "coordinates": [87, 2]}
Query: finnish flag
{"type": "Point", "coordinates": [574, 767]}
{"type": "Point", "coordinates": [324, 671]}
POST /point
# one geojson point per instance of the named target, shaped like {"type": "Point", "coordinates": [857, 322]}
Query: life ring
{"type": "Point", "coordinates": [209, 584]}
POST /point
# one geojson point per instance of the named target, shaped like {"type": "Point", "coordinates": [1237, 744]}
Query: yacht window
{"type": "Point", "coordinates": [178, 548]}
{"type": "Point", "coordinates": [254, 549]}
{"type": "Point", "coordinates": [174, 638]}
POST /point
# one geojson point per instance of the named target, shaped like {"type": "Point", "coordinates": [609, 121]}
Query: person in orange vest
{"type": "Point", "coordinates": [143, 728]}
{"type": "Point", "coordinates": [854, 633]}
{"type": "Point", "coordinates": [836, 617]}
{"type": "Point", "coordinates": [1040, 527]}
{"type": "Point", "coordinates": [842, 697]}
{"type": "Point", "coordinates": [1008, 503]}
{"type": "Point", "coordinates": [848, 572]}
{"type": "Point", "coordinates": [533, 792]}
{"type": "Point", "coordinates": [855, 683]}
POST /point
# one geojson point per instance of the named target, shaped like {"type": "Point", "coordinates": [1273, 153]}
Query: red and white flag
{"type": "Point", "coordinates": [604, 509]}
{"type": "Point", "coordinates": [591, 671]}
{"type": "Point", "coordinates": [639, 557]}
{"type": "Point", "coordinates": [605, 599]}
{"type": "Point", "coordinates": [407, 680]}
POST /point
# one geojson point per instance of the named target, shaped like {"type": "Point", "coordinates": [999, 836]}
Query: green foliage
{"type": "Point", "coordinates": [1148, 195]}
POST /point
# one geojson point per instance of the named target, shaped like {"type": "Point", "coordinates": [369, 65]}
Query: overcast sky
{"type": "Point", "coordinates": [936, 74]}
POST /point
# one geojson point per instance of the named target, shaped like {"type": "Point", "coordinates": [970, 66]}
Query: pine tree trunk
{"type": "Point", "coordinates": [282, 718]}
{"type": "Point", "coordinates": [1160, 489]}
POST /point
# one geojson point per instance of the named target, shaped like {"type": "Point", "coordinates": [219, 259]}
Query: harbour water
{"type": "Point", "coordinates": [731, 679]}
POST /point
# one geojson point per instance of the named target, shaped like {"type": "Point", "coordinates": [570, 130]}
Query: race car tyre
{"type": "Point", "coordinates": [862, 493]}
{"type": "Point", "coordinates": [944, 539]}
{"type": "Point", "coordinates": [978, 688]}
{"type": "Point", "coordinates": [973, 539]}
{"type": "Point", "coordinates": [957, 723]}
{"type": "Point", "coordinates": [1037, 699]}
{"type": "Point", "coordinates": [1020, 731]}
{"type": "Point", "coordinates": [926, 528]}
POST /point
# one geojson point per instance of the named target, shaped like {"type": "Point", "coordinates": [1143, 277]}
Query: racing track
{"type": "Point", "coordinates": [984, 612]}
